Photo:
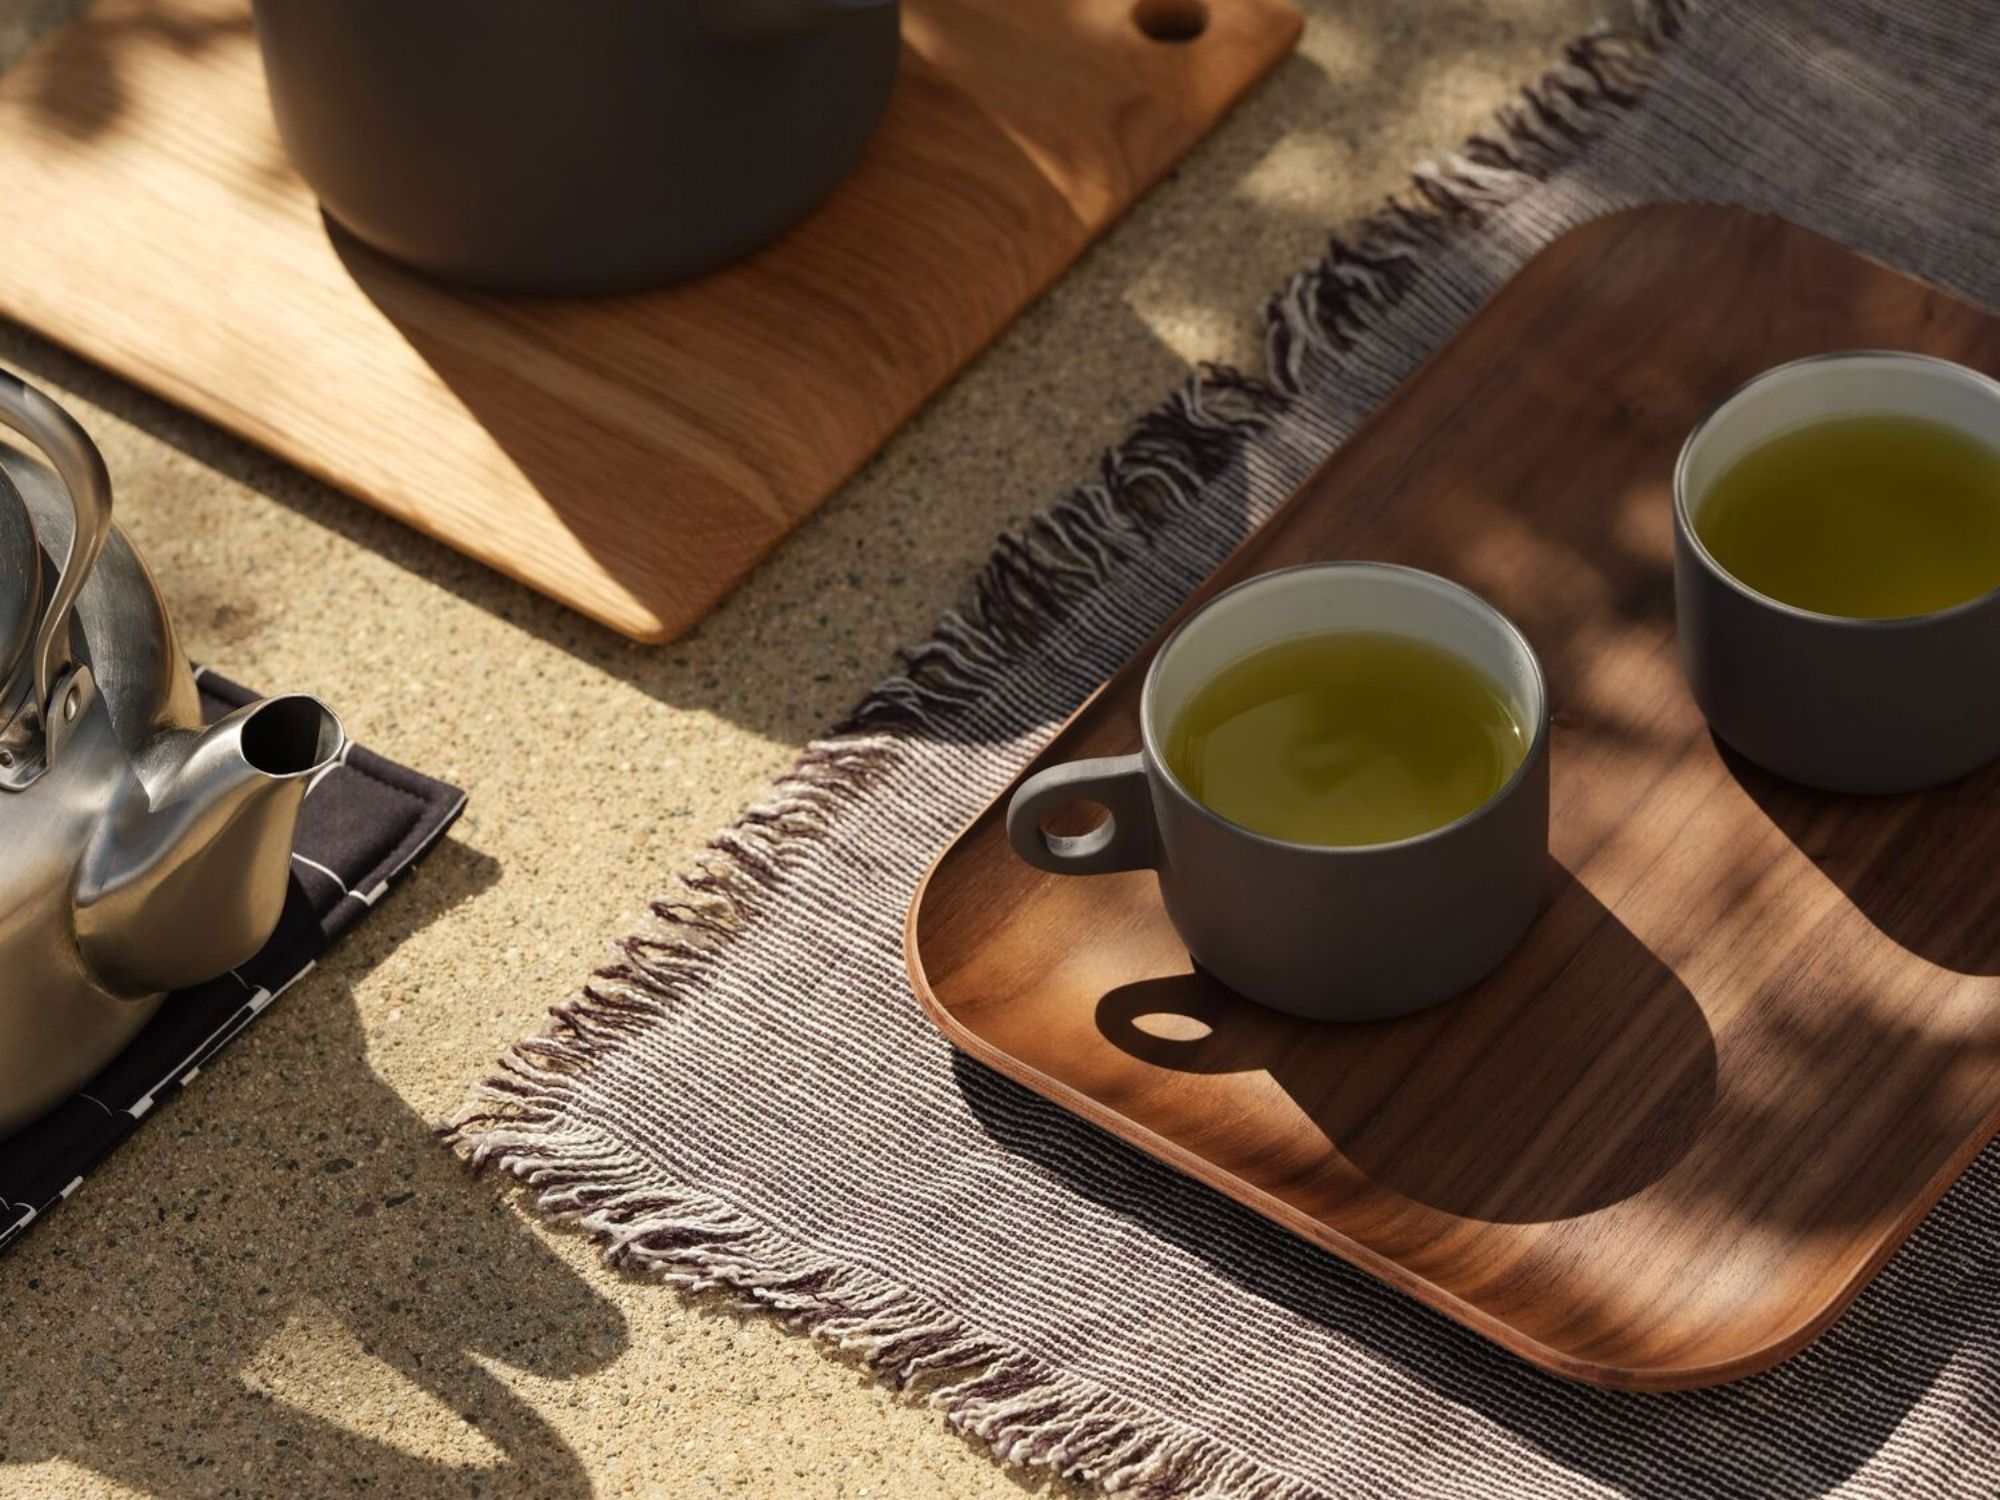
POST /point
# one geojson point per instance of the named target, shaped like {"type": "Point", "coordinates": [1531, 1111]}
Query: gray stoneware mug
{"type": "Point", "coordinates": [1843, 704]}
{"type": "Point", "coordinates": [601, 146]}
{"type": "Point", "coordinates": [1346, 933]}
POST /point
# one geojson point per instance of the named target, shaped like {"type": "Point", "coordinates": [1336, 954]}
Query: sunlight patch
{"type": "Point", "coordinates": [315, 1363]}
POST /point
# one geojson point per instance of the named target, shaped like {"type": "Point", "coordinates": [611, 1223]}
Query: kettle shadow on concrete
{"type": "Point", "coordinates": [1919, 866]}
{"type": "Point", "coordinates": [281, 1282]}
{"type": "Point", "coordinates": [1577, 1075]}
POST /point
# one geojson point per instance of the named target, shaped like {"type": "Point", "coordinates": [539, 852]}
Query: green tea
{"type": "Point", "coordinates": [1347, 737]}
{"type": "Point", "coordinates": [1873, 517]}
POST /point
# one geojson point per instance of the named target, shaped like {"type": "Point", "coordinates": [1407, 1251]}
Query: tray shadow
{"type": "Point", "coordinates": [1575, 1076]}
{"type": "Point", "coordinates": [1918, 866]}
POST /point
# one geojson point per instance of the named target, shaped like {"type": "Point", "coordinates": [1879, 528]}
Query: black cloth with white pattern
{"type": "Point", "coordinates": [363, 823]}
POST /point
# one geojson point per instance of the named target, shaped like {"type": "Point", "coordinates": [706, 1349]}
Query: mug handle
{"type": "Point", "coordinates": [1126, 840]}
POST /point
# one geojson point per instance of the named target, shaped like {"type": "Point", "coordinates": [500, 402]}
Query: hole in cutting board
{"type": "Point", "coordinates": [1171, 20]}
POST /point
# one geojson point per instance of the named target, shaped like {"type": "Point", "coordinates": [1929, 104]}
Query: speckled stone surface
{"type": "Point", "coordinates": [282, 1284]}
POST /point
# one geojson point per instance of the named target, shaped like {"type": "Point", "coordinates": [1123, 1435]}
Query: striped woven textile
{"type": "Point", "coordinates": [749, 1098]}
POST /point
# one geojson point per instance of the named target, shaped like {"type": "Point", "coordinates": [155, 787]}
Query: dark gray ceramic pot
{"type": "Point", "coordinates": [1335, 933]}
{"type": "Point", "coordinates": [1846, 705]}
{"type": "Point", "coordinates": [609, 145]}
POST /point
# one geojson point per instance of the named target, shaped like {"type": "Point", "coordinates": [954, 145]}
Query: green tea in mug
{"type": "Point", "coordinates": [1872, 517]}
{"type": "Point", "coordinates": [1346, 737]}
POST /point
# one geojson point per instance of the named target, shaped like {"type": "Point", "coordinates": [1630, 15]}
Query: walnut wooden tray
{"type": "Point", "coordinates": [632, 457]}
{"type": "Point", "coordinates": [1757, 1033]}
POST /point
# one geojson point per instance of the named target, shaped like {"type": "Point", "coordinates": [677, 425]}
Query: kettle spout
{"type": "Point", "coordinates": [189, 882]}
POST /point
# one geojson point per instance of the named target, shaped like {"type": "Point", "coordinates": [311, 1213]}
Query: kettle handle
{"type": "Point", "coordinates": [81, 467]}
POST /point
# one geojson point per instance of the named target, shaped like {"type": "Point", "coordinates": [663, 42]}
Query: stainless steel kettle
{"type": "Point", "coordinates": [139, 852]}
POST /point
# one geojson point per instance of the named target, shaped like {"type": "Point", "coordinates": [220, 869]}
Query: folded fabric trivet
{"type": "Point", "coordinates": [751, 1098]}
{"type": "Point", "coordinates": [363, 823]}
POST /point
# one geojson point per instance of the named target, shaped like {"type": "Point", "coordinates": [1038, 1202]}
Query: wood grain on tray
{"type": "Point", "coordinates": [1757, 1033]}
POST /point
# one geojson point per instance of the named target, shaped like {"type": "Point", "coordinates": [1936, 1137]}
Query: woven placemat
{"type": "Point", "coordinates": [362, 824]}
{"type": "Point", "coordinates": [749, 1097]}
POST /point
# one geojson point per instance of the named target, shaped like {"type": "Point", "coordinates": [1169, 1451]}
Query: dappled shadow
{"type": "Point", "coordinates": [82, 86]}
{"type": "Point", "coordinates": [1919, 866]}
{"type": "Point", "coordinates": [199, 1319]}
{"type": "Point", "coordinates": [1855, 1111]}
{"type": "Point", "coordinates": [894, 555]}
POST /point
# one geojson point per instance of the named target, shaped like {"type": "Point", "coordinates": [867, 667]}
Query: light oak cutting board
{"type": "Point", "coordinates": [631, 457]}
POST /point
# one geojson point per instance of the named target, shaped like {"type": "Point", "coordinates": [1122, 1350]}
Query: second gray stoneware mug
{"type": "Point", "coordinates": [530, 145]}
{"type": "Point", "coordinates": [1346, 933]}
{"type": "Point", "coordinates": [1838, 703]}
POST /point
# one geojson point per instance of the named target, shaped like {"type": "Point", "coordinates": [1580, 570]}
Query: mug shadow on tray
{"type": "Point", "coordinates": [1640, 1026]}
{"type": "Point", "coordinates": [283, 1281]}
{"type": "Point", "coordinates": [1918, 866]}
{"type": "Point", "coordinates": [1577, 1075]}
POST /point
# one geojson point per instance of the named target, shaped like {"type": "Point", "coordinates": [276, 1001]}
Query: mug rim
{"type": "Point", "coordinates": [1157, 766]}
{"type": "Point", "coordinates": [1684, 521]}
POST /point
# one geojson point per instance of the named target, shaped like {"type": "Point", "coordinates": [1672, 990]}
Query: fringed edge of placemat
{"type": "Point", "coordinates": [1027, 1411]}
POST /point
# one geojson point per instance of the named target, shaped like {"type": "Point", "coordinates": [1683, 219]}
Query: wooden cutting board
{"type": "Point", "coordinates": [631, 457]}
{"type": "Point", "coordinates": [1757, 1033]}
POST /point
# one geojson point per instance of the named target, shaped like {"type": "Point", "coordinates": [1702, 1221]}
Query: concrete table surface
{"type": "Point", "coordinates": [283, 1284]}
